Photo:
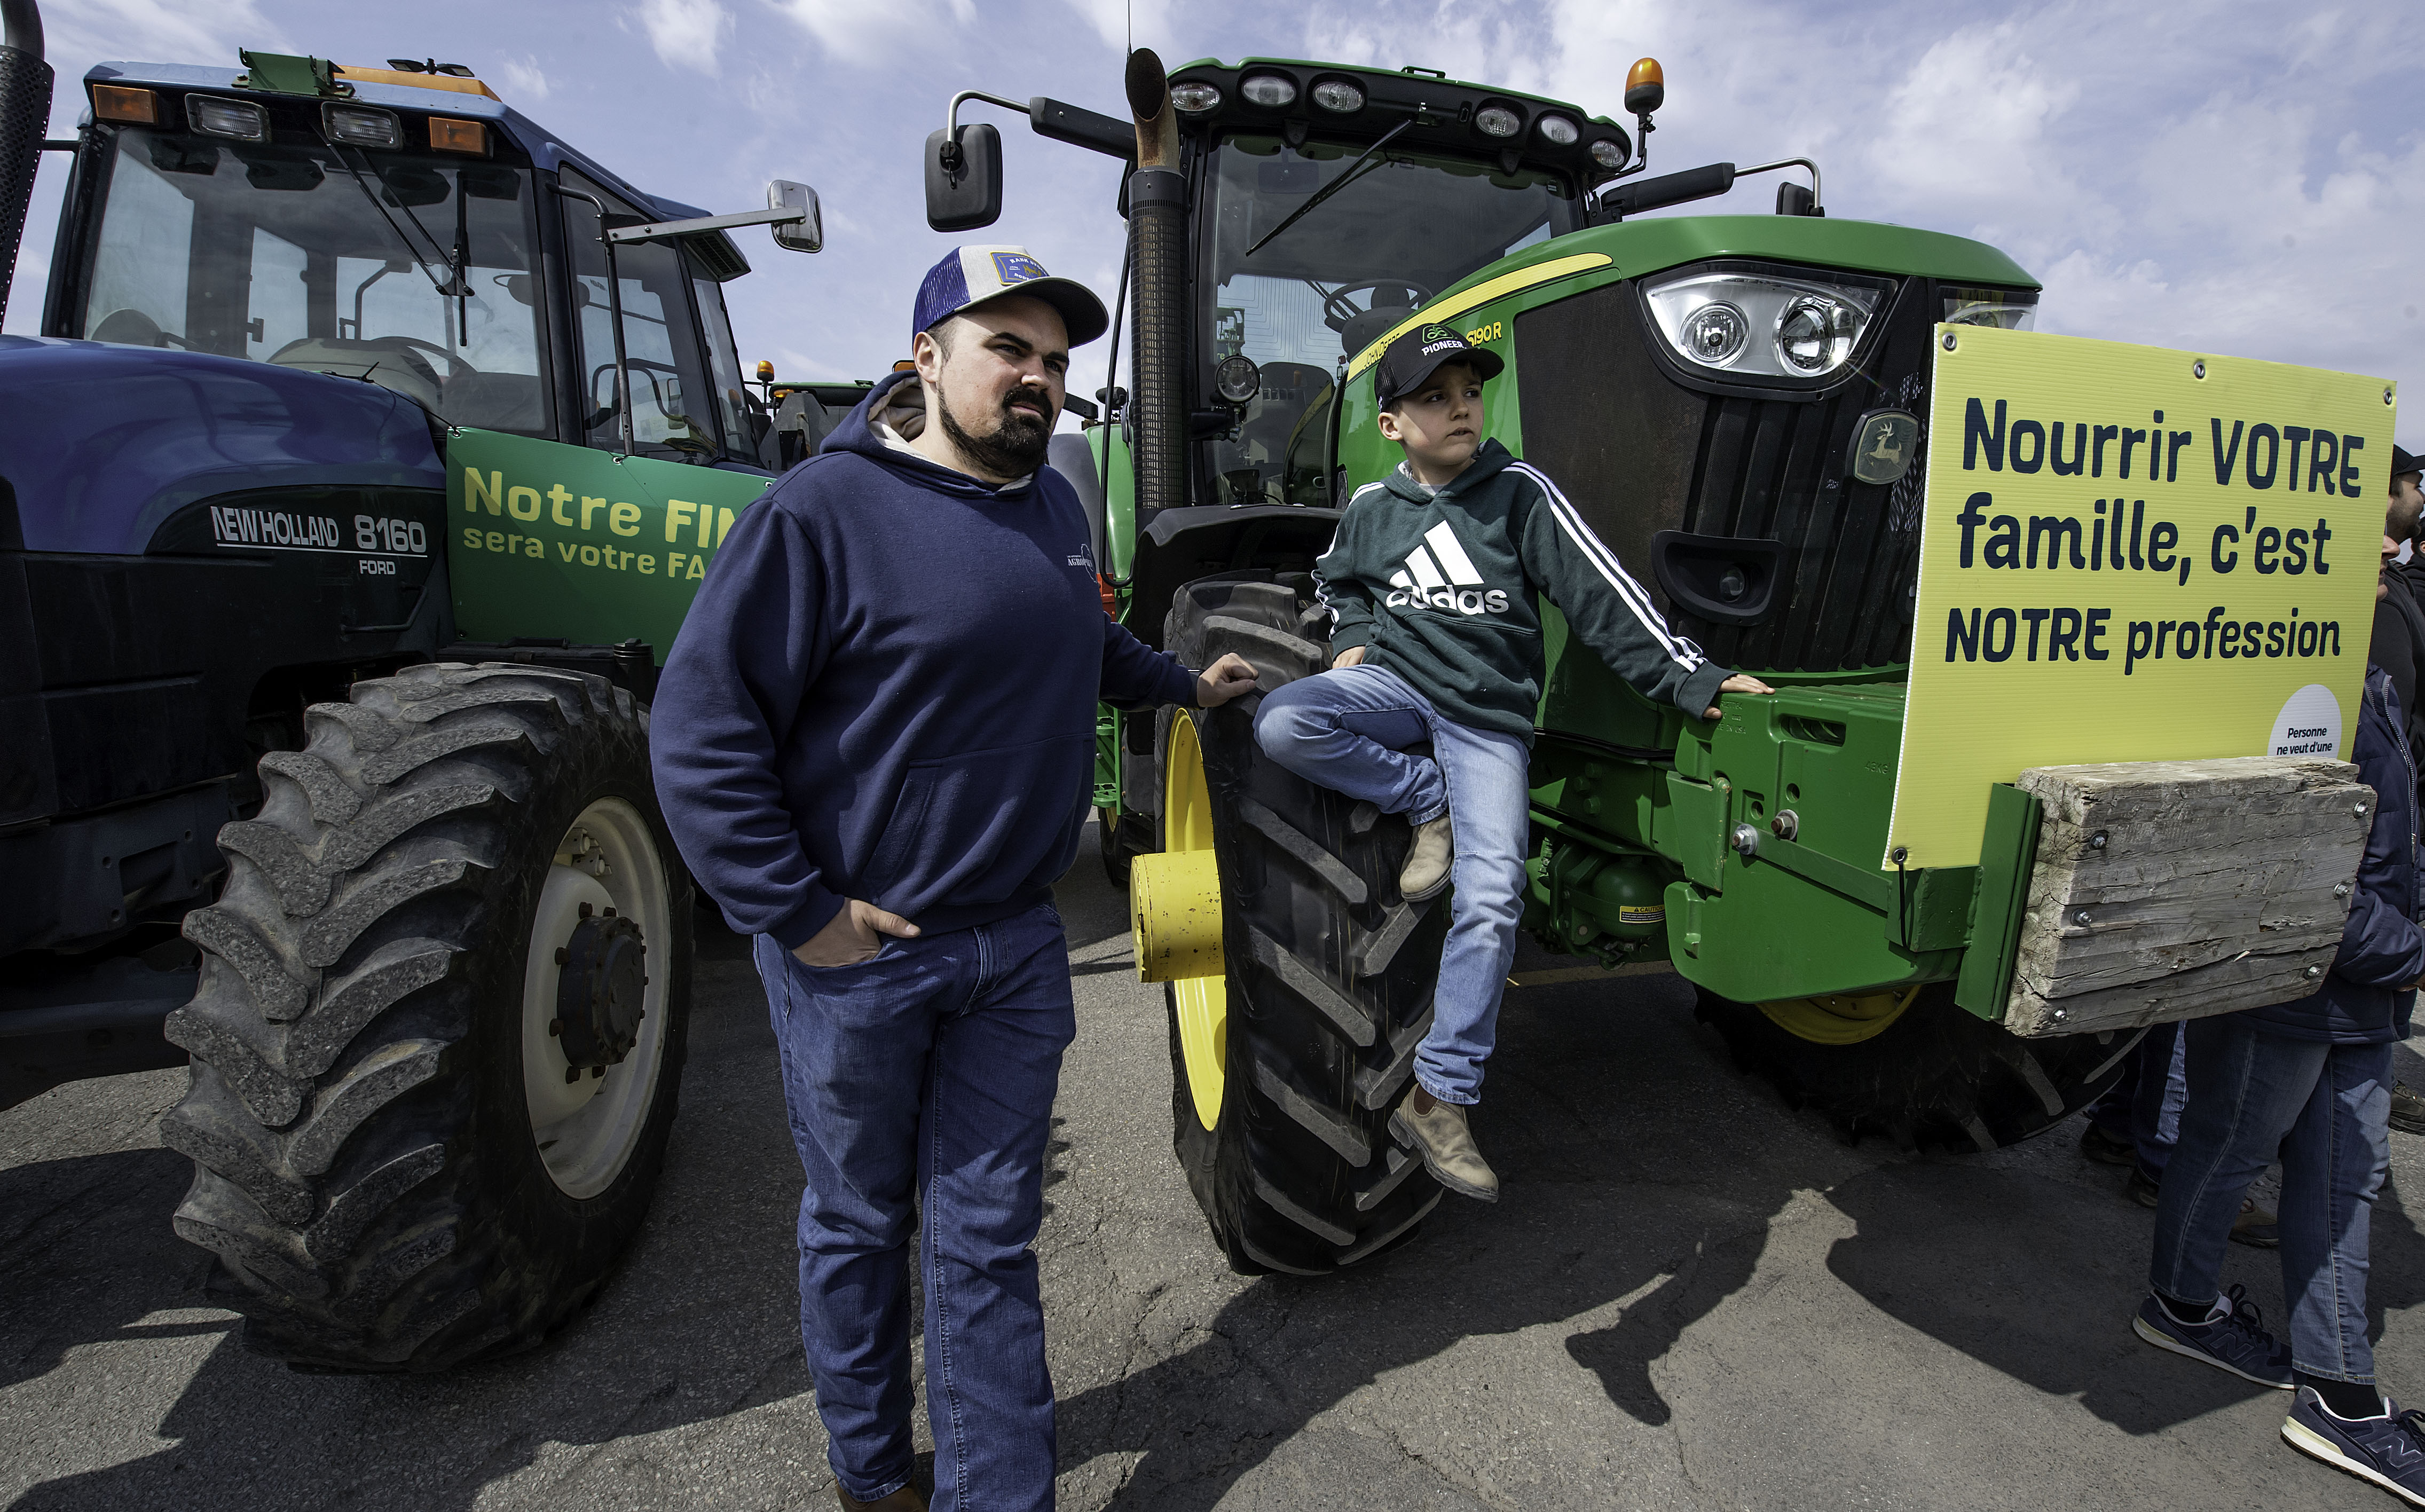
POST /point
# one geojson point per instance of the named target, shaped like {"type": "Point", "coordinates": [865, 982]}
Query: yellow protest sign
{"type": "Point", "coordinates": [2130, 554]}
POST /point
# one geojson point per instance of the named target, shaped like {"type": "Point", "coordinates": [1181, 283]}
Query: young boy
{"type": "Point", "coordinates": [2311, 1079]}
{"type": "Point", "coordinates": [1432, 583]}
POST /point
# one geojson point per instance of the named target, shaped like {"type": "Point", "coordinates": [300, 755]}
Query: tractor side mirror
{"type": "Point", "coordinates": [796, 235]}
{"type": "Point", "coordinates": [964, 179]}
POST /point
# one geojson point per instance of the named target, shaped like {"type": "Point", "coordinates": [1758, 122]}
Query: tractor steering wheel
{"type": "Point", "coordinates": [1336, 311]}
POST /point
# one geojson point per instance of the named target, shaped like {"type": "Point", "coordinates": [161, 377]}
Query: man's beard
{"type": "Point", "coordinates": [1014, 450]}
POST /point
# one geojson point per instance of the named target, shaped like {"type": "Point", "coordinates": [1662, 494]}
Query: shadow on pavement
{"type": "Point", "coordinates": [698, 1327]}
{"type": "Point", "coordinates": [2017, 1271]}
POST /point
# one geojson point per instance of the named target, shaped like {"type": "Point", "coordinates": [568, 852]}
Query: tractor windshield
{"type": "Point", "coordinates": [331, 260]}
{"type": "Point", "coordinates": [1409, 224]}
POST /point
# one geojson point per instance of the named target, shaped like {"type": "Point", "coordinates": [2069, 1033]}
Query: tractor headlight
{"type": "Point", "coordinates": [1715, 333]}
{"type": "Point", "coordinates": [239, 119]}
{"type": "Point", "coordinates": [1498, 120]}
{"type": "Point", "coordinates": [1194, 97]}
{"type": "Point", "coordinates": [1559, 132]}
{"type": "Point", "coordinates": [1764, 324]}
{"type": "Point", "coordinates": [1339, 96]}
{"type": "Point", "coordinates": [1237, 379]}
{"type": "Point", "coordinates": [1270, 91]}
{"type": "Point", "coordinates": [2007, 309]}
{"type": "Point", "coordinates": [362, 126]}
{"type": "Point", "coordinates": [1609, 153]}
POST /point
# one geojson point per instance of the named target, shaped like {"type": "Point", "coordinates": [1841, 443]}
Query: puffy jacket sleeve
{"type": "Point", "coordinates": [737, 677]}
{"type": "Point", "coordinates": [1605, 607]}
{"type": "Point", "coordinates": [1337, 578]}
{"type": "Point", "coordinates": [2381, 945]}
{"type": "Point", "coordinates": [1137, 677]}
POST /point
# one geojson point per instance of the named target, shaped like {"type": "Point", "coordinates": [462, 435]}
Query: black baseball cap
{"type": "Point", "coordinates": [1408, 363]}
{"type": "Point", "coordinates": [2402, 460]}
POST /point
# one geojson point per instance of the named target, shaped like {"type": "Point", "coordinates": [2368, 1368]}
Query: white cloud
{"type": "Point", "coordinates": [685, 33]}
{"type": "Point", "coordinates": [524, 77]}
{"type": "Point", "coordinates": [855, 31]}
{"type": "Point", "coordinates": [156, 31]}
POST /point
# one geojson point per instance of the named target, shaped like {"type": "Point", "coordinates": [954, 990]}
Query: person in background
{"type": "Point", "coordinates": [2312, 1079]}
{"type": "Point", "coordinates": [2401, 522]}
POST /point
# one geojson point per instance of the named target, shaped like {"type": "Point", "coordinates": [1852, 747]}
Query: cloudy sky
{"type": "Point", "coordinates": [2247, 178]}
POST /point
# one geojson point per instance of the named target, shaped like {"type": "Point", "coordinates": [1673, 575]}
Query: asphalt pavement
{"type": "Point", "coordinates": [1689, 1298]}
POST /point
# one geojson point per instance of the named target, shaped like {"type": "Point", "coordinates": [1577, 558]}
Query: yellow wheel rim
{"type": "Point", "coordinates": [1843, 1019]}
{"type": "Point", "coordinates": [1203, 1002]}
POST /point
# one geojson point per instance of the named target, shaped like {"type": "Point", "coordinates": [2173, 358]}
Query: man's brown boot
{"type": "Point", "coordinates": [1447, 1146]}
{"type": "Point", "coordinates": [1427, 861]}
{"type": "Point", "coordinates": [905, 1500]}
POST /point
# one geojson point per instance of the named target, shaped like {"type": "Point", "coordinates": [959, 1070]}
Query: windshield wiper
{"type": "Point", "coordinates": [1330, 188]}
{"type": "Point", "coordinates": [452, 284]}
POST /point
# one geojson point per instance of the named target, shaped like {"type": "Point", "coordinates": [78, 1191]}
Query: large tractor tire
{"type": "Point", "coordinates": [1287, 1061]}
{"type": "Point", "coordinates": [1916, 1066]}
{"type": "Point", "coordinates": [440, 1026]}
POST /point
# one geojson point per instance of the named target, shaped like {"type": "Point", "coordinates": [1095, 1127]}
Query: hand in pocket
{"type": "Point", "coordinates": [852, 936]}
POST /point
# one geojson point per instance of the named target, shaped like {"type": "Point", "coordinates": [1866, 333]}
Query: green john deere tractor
{"type": "Point", "coordinates": [1698, 386]}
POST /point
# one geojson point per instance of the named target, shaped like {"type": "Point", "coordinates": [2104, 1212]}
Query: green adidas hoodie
{"type": "Point", "coordinates": [1443, 589]}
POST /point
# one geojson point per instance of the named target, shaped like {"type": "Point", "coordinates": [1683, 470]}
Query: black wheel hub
{"type": "Point", "coordinates": [598, 997]}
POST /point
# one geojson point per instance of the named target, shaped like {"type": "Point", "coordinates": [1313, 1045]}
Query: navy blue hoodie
{"type": "Point", "coordinates": [886, 691]}
{"type": "Point", "coordinates": [2381, 947]}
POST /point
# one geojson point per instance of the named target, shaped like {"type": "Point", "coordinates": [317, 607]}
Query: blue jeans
{"type": "Point", "coordinates": [922, 1080]}
{"type": "Point", "coordinates": [2328, 1109]}
{"type": "Point", "coordinates": [1349, 731]}
{"type": "Point", "coordinates": [2145, 1104]}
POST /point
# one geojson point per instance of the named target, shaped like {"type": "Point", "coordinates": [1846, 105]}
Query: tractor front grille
{"type": "Point", "coordinates": [1638, 451]}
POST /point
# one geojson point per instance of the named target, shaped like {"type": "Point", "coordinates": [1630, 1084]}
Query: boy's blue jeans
{"type": "Point", "coordinates": [922, 1082]}
{"type": "Point", "coordinates": [2328, 1109]}
{"type": "Point", "coordinates": [1348, 730]}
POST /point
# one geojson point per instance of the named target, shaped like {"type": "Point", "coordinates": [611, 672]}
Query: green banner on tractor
{"type": "Point", "coordinates": [2128, 554]}
{"type": "Point", "coordinates": [546, 540]}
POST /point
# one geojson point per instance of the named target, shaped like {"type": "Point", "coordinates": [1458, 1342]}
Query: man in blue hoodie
{"type": "Point", "coordinates": [874, 741]}
{"type": "Point", "coordinates": [2312, 1079]}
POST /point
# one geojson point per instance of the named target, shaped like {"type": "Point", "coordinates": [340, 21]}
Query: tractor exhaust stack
{"type": "Point", "coordinates": [24, 117]}
{"type": "Point", "coordinates": [1157, 253]}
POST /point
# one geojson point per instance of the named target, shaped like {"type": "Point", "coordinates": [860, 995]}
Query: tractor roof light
{"type": "Point", "coordinates": [235, 118]}
{"type": "Point", "coordinates": [362, 126]}
{"type": "Point", "coordinates": [1339, 96]}
{"type": "Point", "coordinates": [1646, 87]}
{"type": "Point", "coordinates": [1559, 132]}
{"type": "Point", "coordinates": [1195, 97]}
{"type": "Point", "coordinates": [1272, 92]}
{"type": "Point", "coordinates": [448, 135]}
{"type": "Point", "coordinates": [116, 101]}
{"type": "Point", "coordinates": [1498, 120]}
{"type": "Point", "coordinates": [1609, 152]}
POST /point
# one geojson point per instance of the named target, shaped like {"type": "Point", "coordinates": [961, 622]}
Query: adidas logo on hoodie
{"type": "Point", "coordinates": [1444, 578]}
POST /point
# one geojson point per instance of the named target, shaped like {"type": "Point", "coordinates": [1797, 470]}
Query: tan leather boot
{"type": "Point", "coordinates": [1447, 1146]}
{"type": "Point", "coordinates": [905, 1500]}
{"type": "Point", "coordinates": [1427, 861]}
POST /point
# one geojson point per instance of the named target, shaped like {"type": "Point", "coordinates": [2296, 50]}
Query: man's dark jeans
{"type": "Point", "coordinates": [922, 1080]}
{"type": "Point", "coordinates": [2145, 1105]}
{"type": "Point", "coordinates": [2327, 1108]}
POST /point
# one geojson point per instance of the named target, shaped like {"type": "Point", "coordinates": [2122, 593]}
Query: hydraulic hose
{"type": "Point", "coordinates": [24, 117]}
{"type": "Point", "coordinates": [1158, 258]}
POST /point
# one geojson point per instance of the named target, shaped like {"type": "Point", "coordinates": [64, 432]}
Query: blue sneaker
{"type": "Point", "coordinates": [2229, 1339]}
{"type": "Point", "coordinates": [2388, 1450]}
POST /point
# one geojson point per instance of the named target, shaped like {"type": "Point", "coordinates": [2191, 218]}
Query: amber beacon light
{"type": "Point", "coordinates": [1646, 87]}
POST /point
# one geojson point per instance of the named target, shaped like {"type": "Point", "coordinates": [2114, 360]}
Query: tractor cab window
{"type": "Point", "coordinates": [673, 401]}
{"type": "Point", "coordinates": [1406, 225]}
{"type": "Point", "coordinates": [412, 273]}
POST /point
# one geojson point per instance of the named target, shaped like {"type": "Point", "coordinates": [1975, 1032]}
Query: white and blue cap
{"type": "Point", "coordinates": [970, 276]}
